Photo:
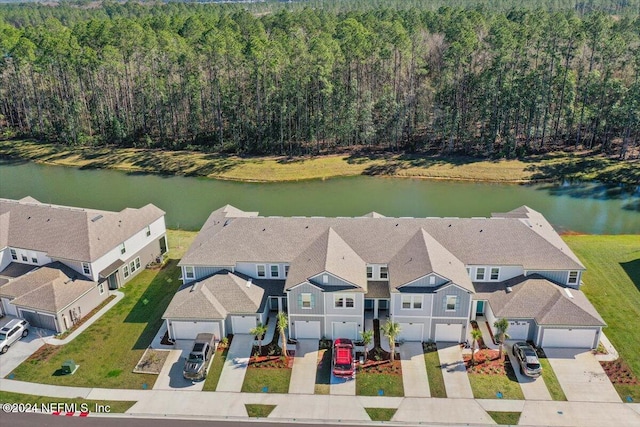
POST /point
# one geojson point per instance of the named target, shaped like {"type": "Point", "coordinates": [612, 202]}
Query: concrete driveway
{"type": "Point", "coordinates": [235, 367]}
{"type": "Point", "coordinates": [170, 377]}
{"type": "Point", "coordinates": [21, 349]}
{"type": "Point", "coordinates": [532, 388]}
{"type": "Point", "coordinates": [581, 376]}
{"type": "Point", "coordinates": [305, 364]}
{"type": "Point", "coordinates": [456, 381]}
{"type": "Point", "coordinates": [414, 370]}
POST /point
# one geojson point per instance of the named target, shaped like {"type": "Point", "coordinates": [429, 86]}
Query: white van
{"type": "Point", "coordinates": [12, 332]}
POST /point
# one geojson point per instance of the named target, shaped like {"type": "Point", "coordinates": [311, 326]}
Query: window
{"type": "Point", "coordinates": [24, 258]}
{"type": "Point", "coordinates": [14, 255]}
{"type": "Point", "coordinates": [412, 302]}
{"type": "Point", "coordinates": [85, 268]}
{"type": "Point", "coordinates": [138, 262]}
{"type": "Point", "coordinates": [286, 270]}
{"type": "Point", "coordinates": [384, 273]}
{"type": "Point", "coordinates": [101, 288]}
{"type": "Point", "coordinates": [275, 270]}
{"type": "Point", "coordinates": [122, 248]}
{"type": "Point", "coordinates": [451, 302]}
{"type": "Point", "coordinates": [369, 272]}
{"type": "Point", "coordinates": [132, 266]}
{"type": "Point", "coordinates": [189, 272]}
{"type": "Point", "coordinates": [573, 278]}
{"type": "Point", "coordinates": [343, 301]}
{"type": "Point", "coordinates": [262, 272]}
{"type": "Point", "coordinates": [325, 278]}
{"type": "Point", "coordinates": [495, 273]}
{"type": "Point", "coordinates": [34, 259]}
{"type": "Point", "coordinates": [432, 280]}
{"type": "Point", "coordinates": [480, 273]}
{"type": "Point", "coordinates": [305, 300]}
{"type": "Point", "coordinates": [125, 271]}
{"type": "Point", "coordinates": [148, 231]}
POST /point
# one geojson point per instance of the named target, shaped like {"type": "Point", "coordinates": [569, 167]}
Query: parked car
{"type": "Point", "coordinates": [195, 368]}
{"type": "Point", "coordinates": [343, 360]}
{"type": "Point", "coordinates": [528, 359]}
{"type": "Point", "coordinates": [12, 332]}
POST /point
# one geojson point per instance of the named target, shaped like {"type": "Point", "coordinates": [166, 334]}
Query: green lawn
{"type": "Point", "coordinates": [612, 284]}
{"type": "Point", "coordinates": [381, 414]}
{"type": "Point", "coordinates": [505, 418]}
{"type": "Point", "coordinates": [211, 383]}
{"type": "Point", "coordinates": [259, 411]}
{"type": "Point", "coordinates": [368, 384]}
{"type": "Point", "coordinates": [51, 402]}
{"type": "Point", "coordinates": [551, 381]}
{"type": "Point", "coordinates": [488, 386]}
{"type": "Point", "coordinates": [434, 374]}
{"type": "Point", "coordinates": [323, 374]}
{"type": "Point", "coordinates": [109, 349]}
{"type": "Point", "coordinates": [275, 379]}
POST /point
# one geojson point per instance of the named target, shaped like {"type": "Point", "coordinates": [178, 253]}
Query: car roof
{"type": "Point", "coordinates": [12, 323]}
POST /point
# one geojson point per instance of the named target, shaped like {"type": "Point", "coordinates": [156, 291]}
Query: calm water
{"type": "Point", "coordinates": [586, 208]}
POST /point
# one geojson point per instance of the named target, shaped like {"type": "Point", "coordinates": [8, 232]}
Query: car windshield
{"type": "Point", "coordinates": [533, 365]}
{"type": "Point", "coordinates": [3, 337]}
{"type": "Point", "coordinates": [195, 357]}
{"type": "Point", "coordinates": [343, 366]}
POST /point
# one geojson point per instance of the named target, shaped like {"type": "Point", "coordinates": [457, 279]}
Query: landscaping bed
{"type": "Point", "coordinates": [151, 362]}
{"type": "Point", "coordinates": [623, 379]}
{"type": "Point", "coordinates": [492, 377]}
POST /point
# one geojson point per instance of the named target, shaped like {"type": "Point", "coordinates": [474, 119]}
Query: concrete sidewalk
{"type": "Point", "coordinates": [456, 381]}
{"type": "Point", "coordinates": [305, 363]}
{"type": "Point", "coordinates": [532, 388]}
{"type": "Point", "coordinates": [235, 367]}
{"type": "Point", "coordinates": [414, 370]}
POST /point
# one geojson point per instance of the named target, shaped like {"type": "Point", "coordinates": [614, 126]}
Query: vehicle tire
{"type": "Point", "coordinates": [25, 333]}
{"type": "Point", "coordinates": [4, 349]}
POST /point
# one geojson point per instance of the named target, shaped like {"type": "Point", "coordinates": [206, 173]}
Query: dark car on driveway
{"type": "Point", "coordinates": [195, 368]}
{"type": "Point", "coordinates": [528, 359]}
{"type": "Point", "coordinates": [343, 360]}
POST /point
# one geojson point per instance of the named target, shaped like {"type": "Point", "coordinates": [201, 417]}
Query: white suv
{"type": "Point", "coordinates": [12, 332]}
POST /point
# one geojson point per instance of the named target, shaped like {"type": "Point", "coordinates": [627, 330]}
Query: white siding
{"type": "Point", "coordinates": [6, 257]}
{"type": "Point", "coordinates": [506, 272]}
{"type": "Point", "coordinates": [250, 269]}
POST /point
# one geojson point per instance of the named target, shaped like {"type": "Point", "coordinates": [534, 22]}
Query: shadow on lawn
{"type": "Point", "coordinates": [632, 268]}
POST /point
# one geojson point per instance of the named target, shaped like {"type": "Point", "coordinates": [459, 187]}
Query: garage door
{"type": "Point", "coordinates": [411, 331]}
{"type": "Point", "coordinates": [571, 338]}
{"type": "Point", "coordinates": [345, 330]}
{"type": "Point", "coordinates": [306, 329]}
{"type": "Point", "coordinates": [9, 308]}
{"type": "Point", "coordinates": [448, 333]}
{"type": "Point", "coordinates": [39, 320]}
{"type": "Point", "coordinates": [518, 330]}
{"type": "Point", "coordinates": [189, 330]}
{"type": "Point", "coordinates": [243, 324]}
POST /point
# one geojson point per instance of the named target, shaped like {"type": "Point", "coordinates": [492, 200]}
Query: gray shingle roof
{"type": "Point", "coordinates": [377, 289]}
{"type": "Point", "coordinates": [538, 298]}
{"type": "Point", "coordinates": [67, 232]}
{"type": "Point", "coordinates": [49, 288]}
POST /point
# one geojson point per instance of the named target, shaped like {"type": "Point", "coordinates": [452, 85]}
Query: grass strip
{"type": "Point", "coordinates": [434, 374]}
{"type": "Point", "coordinates": [53, 404]}
{"type": "Point", "coordinates": [505, 418]}
{"type": "Point", "coordinates": [381, 414]}
{"type": "Point", "coordinates": [255, 410]}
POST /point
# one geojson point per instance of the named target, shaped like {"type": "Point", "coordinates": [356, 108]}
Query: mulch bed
{"type": "Point", "coordinates": [486, 363]}
{"type": "Point", "coordinates": [619, 372]}
{"type": "Point", "coordinates": [272, 362]}
{"type": "Point", "coordinates": [151, 361]}
{"type": "Point", "coordinates": [481, 343]}
{"type": "Point", "coordinates": [381, 367]}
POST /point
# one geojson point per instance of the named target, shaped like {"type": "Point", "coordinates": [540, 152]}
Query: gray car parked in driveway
{"type": "Point", "coordinates": [195, 368]}
{"type": "Point", "coordinates": [528, 359]}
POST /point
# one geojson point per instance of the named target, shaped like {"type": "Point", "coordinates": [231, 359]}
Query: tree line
{"type": "Point", "coordinates": [301, 80]}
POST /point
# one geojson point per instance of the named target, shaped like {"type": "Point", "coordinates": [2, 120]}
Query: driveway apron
{"type": "Point", "coordinates": [532, 388]}
{"type": "Point", "coordinates": [456, 381]}
{"type": "Point", "coordinates": [235, 367]}
{"type": "Point", "coordinates": [581, 376]}
{"type": "Point", "coordinates": [305, 362]}
{"type": "Point", "coordinates": [343, 386]}
{"type": "Point", "coordinates": [414, 370]}
{"type": "Point", "coordinates": [171, 378]}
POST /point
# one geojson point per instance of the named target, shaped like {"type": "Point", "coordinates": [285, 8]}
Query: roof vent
{"type": "Point", "coordinates": [225, 223]}
{"type": "Point", "coordinates": [509, 289]}
{"type": "Point", "coordinates": [568, 292]}
{"type": "Point", "coordinates": [95, 218]}
{"type": "Point", "coordinates": [249, 283]}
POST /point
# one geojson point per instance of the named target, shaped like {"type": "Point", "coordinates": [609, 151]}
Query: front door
{"type": "Point", "coordinates": [113, 280]}
{"type": "Point", "coordinates": [480, 307]}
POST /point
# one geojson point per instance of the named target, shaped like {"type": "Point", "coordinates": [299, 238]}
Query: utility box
{"type": "Point", "coordinates": [69, 367]}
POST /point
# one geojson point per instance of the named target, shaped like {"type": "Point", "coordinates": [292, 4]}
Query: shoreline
{"type": "Point", "coordinates": [552, 167]}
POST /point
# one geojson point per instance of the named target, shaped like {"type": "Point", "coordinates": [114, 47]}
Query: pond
{"type": "Point", "coordinates": [584, 207]}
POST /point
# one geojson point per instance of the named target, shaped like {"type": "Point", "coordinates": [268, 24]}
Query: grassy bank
{"type": "Point", "coordinates": [550, 167]}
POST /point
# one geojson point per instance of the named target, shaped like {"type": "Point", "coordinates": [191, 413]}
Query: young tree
{"type": "Point", "coordinates": [283, 324]}
{"type": "Point", "coordinates": [476, 335]}
{"type": "Point", "coordinates": [258, 332]}
{"type": "Point", "coordinates": [391, 331]}
{"type": "Point", "coordinates": [501, 326]}
{"type": "Point", "coordinates": [367, 337]}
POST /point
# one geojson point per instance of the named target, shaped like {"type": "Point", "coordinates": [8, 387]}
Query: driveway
{"type": "Point", "coordinates": [305, 363]}
{"type": "Point", "coordinates": [21, 349]}
{"type": "Point", "coordinates": [235, 367]}
{"type": "Point", "coordinates": [581, 376]}
{"type": "Point", "coordinates": [414, 370]}
{"type": "Point", "coordinates": [532, 388]}
{"type": "Point", "coordinates": [170, 377]}
{"type": "Point", "coordinates": [456, 381]}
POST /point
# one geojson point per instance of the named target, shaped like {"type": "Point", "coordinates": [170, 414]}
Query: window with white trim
{"type": "Point", "coordinates": [494, 274]}
{"type": "Point", "coordinates": [24, 258]}
{"type": "Point", "coordinates": [325, 278]}
{"type": "Point", "coordinates": [412, 302]}
{"type": "Point", "coordinates": [343, 301]}
{"type": "Point", "coordinates": [132, 266]}
{"type": "Point", "coordinates": [189, 272]}
{"type": "Point", "coordinates": [432, 280]}
{"type": "Point", "coordinates": [369, 272]}
{"type": "Point", "coordinates": [261, 270]}
{"type": "Point", "coordinates": [384, 273]}
{"type": "Point", "coordinates": [138, 262]}
{"type": "Point", "coordinates": [86, 269]}
{"type": "Point", "coordinates": [480, 271]}
{"type": "Point", "coordinates": [306, 300]}
{"type": "Point", "coordinates": [275, 270]}
{"type": "Point", "coordinates": [286, 270]}
{"type": "Point", "coordinates": [125, 271]}
{"type": "Point", "coordinates": [14, 255]}
{"type": "Point", "coordinates": [101, 288]}
{"type": "Point", "coordinates": [573, 278]}
{"type": "Point", "coordinates": [451, 302]}
{"type": "Point", "coordinates": [34, 259]}
{"type": "Point", "coordinates": [123, 249]}
{"type": "Point", "coordinates": [148, 231]}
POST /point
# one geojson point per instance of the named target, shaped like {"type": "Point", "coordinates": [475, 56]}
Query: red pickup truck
{"type": "Point", "coordinates": [343, 363]}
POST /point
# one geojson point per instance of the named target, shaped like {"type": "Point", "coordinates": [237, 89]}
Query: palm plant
{"type": "Point", "coordinates": [391, 330]}
{"type": "Point", "coordinates": [501, 326]}
{"type": "Point", "coordinates": [283, 324]}
{"type": "Point", "coordinates": [367, 337]}
{"type": "Point", "coordinates": [476, 335]}
{"type": "Point", "coordinates": [259, 332]}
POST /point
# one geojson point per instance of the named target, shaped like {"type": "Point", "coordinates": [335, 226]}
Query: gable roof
{"type": "Point", "coordinates": [70, 233]}
{"type": "Point", "coordinates": [49, 288]}
{"type": "Point", "coordinates": [538, 298]}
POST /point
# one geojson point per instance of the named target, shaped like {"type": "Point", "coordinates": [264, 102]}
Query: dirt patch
{"type": "Point", "coordinates": [44, 353]}
{"type": "Point", "coordinates": [151, 362]}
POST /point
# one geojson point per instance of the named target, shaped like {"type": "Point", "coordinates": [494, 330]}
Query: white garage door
{"type": "Point", "coordinates": [411, 331]}
{"type": "Point", "coordinates": [306, 329]}
{"type": "Point", "coordinates": [345, 330]}
{"type": "Point", "coordinates": [518, 330]}
{"type": "Point", "coordinates": [571, 338]}
{"type": "Point", "coordinates": [243, 324]}
{"type": "Point", "coordinates": [9, 308]}
{"type": "Point", "coordinates": [183, 330]}
{"type": "Point", "coordinates": [448, 333]}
